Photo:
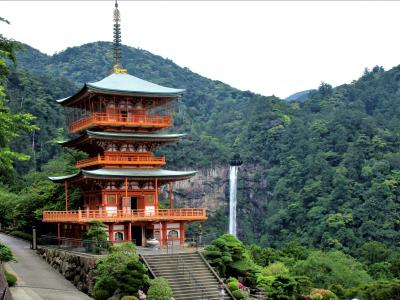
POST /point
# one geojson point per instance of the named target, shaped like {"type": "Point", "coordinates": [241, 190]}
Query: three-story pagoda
{"type": "Point", "coordinates": [121, 179]}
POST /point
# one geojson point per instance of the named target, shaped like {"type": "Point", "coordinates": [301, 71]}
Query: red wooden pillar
{"type": "Point", "coordinates": [164, 233]}
{"type": "Point", "coordinates": [110, 232]}
{"type": "Point", "coordinates": [156, 188]}
{"type": "Point", "coordinates": [129, 231]}
{"type": "Point", "coordinates": [182, 233]}
{"type": "Point", "coordinates": [66, 194]}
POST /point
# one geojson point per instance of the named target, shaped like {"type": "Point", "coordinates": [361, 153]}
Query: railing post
{"type": "Point", "coordinates": [79, 215]}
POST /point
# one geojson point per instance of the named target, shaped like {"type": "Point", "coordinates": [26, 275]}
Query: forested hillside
{"type": "Point", "coordinates": [325, 172]}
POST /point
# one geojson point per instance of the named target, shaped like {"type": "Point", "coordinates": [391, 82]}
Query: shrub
{"type": "Point", "coordinates": [322, 294]}
{"type": "Point", "coordinates": [5, 254]}
{"type": "Point", "coordinates": [11, 279]}
{"type": "Point", "coordinates": [159, 290]}
{"type": "Point", "coordinates": [233, 286]}
{"type": "Point", "coordinates": [129, 298]}
{"type": "Point", "coordinates": [238, 294]}
{"type": "Point", "coordinates": [120, 270]}
{"type": "Point", "coordinates": [21, 235]}
{"type": "Point", "coordinates": [274, 269]}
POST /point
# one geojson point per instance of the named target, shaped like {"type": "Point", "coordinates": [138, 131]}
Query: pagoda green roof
{"type": "Point", "coordinates": [80, 142]}
{"type": "Point", "coordinates": [125, 84]}
{"type": "Point", "coordinates": [136, 136]}
{"type": "Point", "coordinates": [140, 174]}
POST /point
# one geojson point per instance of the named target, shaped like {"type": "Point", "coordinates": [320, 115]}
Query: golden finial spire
{"type": "Point", "coordinates": [117, 41]}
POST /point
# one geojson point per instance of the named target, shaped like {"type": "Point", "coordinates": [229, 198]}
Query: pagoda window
{"type": "Point", "coordinates": [112, 148]}
{"type": "Point", "coordinates": [111, 199]}
{"type": "Point", "coordinates": [118, 236]}
{"type": "Point", "coordinates": [149, 199]}
{"type": "Point", "coordinates": [142, 148]}
{"type": "Point", "coordinates": [124, 148]}
{"type": "Point", "coordinates": [130, 148]}
{"type": "Point", "coordinates": [134, 185]}
{"type": "Point", "coordinates": [173, 234]}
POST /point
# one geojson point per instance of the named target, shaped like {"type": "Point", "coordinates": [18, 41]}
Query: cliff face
{"type": "Point", "coordinates": [210, 189]}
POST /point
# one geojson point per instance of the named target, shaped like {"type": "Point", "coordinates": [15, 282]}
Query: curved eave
{"type": "Point", "coordinates": [139, 174]}
{"type": "Point", "coordinates": [163, 175]}
{"type": "Point", "coordinates": [59, 179]}
{"type": "Point", "coordinates": [92, 88]}
{"type": "Point", "coordinates": [134, 137]}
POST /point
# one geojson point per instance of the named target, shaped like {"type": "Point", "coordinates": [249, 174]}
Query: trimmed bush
{"type": "Point", "coordinates": [129, 298]}
{"type": "Point", "coordinates": [159, 290]}
{"type": "Point", "coordinates": [21, 235]}
{"type": "Point", "coordinates": [238, 294]}
{"type": "Point", "coordinates": [233, 285]}
{"type": "Point", "coordinates": [5, 254]}
{"type": "Point", "coordinates": [11, 279]}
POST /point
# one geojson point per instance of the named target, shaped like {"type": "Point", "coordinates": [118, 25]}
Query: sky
{"type": "Point", "coordinates": [267, 47]}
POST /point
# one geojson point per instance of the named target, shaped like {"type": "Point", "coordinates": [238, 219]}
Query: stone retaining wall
{"type": "Point", "coordinates": [77, 268]}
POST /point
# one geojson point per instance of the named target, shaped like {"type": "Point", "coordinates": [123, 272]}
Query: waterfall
{"type": "Point", "coordinates": [233, 171]}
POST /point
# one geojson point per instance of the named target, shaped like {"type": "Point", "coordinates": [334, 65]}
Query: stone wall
{"type": "Point", "coordinates": [77, 268]}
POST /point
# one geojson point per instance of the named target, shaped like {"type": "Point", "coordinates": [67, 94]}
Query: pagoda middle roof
{"type": "Point", "coordinates": [139, 174]}
{"type": "Point", "coordinates": [125, 136]}
{"type": "Point", "coordinates": [124, 84]}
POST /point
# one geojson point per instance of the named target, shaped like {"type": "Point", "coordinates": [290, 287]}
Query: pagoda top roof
{"type": "Point", "coordinates": [139, 174]}
{"type": "Point", "coordinates": [124, 84]}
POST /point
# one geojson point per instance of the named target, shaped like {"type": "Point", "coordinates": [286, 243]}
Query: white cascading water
{"type": "Point", "coordinates": [233, 171]}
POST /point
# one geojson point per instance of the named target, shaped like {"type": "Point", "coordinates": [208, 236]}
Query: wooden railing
{"type": "Point", "coordinates": [121, 160]}
{"type": "Point", "coordinates": [125, 120]}
{"type": "Point", "coordinates": [81, 216]}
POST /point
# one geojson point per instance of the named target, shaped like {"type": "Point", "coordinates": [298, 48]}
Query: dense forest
{"type": "Point", "coordinates": [325, 170]}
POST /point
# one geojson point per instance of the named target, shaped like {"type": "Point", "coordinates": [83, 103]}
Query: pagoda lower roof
{"type": "Point", "coordinates": [140, 174]}
{"type": "Point", "coordinates": [124, 84]}
{"type": "Point", "coordinates": [123, 136]}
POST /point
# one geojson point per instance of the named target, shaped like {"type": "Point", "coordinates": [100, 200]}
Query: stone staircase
{"type": "Point", "coordinates": [188, 275]}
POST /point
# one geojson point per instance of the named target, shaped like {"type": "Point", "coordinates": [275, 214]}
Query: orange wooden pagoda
{"type": "Point", "coordinates": [121, 178]}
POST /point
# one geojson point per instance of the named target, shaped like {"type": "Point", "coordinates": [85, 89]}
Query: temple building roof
{"type": "Point", "coordinates": [124, 84]}
{"type": "Point", "coordinates": [139, 174]}
{"type": "Point", "coordinates": [83, 142]}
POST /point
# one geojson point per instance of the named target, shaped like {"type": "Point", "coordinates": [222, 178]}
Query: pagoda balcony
{"type": "Point", "coordinates": [130, 160]}
{"type": "Point", "coordinates": [85, 216]}
{"type": "Point", "coordinates": [120, 120]}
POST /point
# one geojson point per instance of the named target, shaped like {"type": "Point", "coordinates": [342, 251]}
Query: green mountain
{"type": "Point", "coordinates": [325, 172]}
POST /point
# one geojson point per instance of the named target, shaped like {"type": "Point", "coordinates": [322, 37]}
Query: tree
{"type": "Point", "coordinates": [11, 125]}
{"type": "Point", "coordinates": [120, 272]}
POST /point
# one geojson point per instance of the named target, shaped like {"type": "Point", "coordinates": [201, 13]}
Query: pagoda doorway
{"type": "Point", "coordinates": [134, 203]}
{"type": "Point", "coordinates": [137, 235]}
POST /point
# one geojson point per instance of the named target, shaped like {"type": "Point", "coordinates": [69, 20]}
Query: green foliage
{"type": "Point", "coordinates": [119, 271]}
{"type": "Point", "coordinates": [229, 256]}
{"type": "Point", "coordinates": [5, 254]}
{"type": "Point", "coordinates": [274, 269]}
{"type": "Point", "coordinates": [129, 298]}
{"type": "Point", "coordinates": [96, 231]}
{"type": "Point", "coordinates": [322, 294]}
{"type": "Point", "coordinates": [382, 290]}
{"type": "Point", "coordinates": [332, 267]}
{"type": "Point", "coordinates": [159, 289]}
{"type": "Point", "coordinates": [11, 279]}
{"type": "Point", "coordinates": [22, 235]}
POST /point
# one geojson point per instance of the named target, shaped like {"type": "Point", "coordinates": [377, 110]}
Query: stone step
{"type": "Point", "coordinates": [169, 266]}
